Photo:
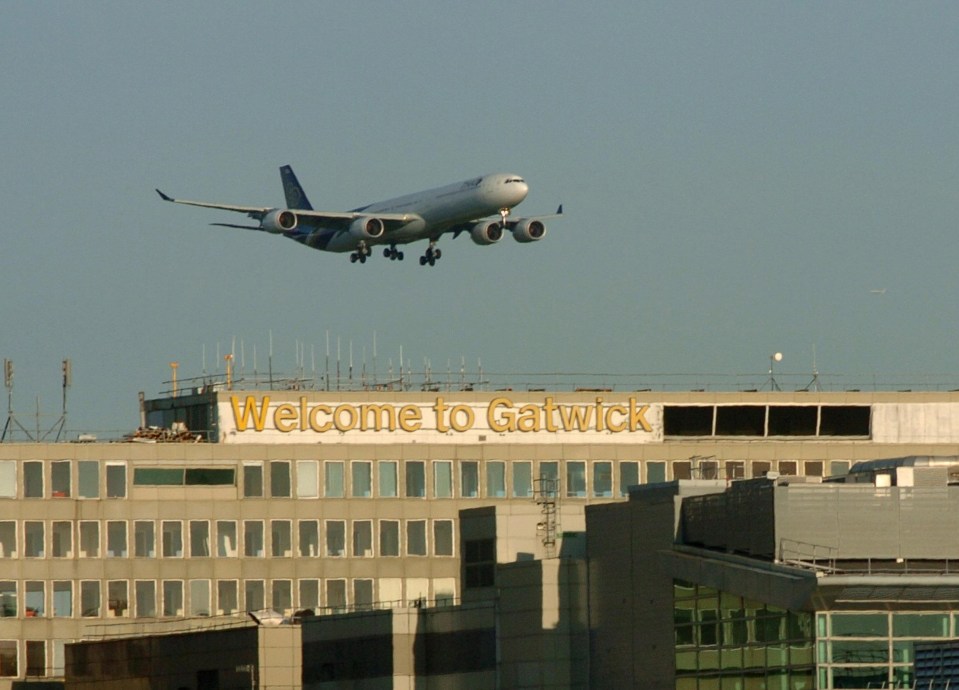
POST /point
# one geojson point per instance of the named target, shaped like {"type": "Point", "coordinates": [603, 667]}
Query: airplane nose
{"type": "Point", "coordinates": [519, 190]}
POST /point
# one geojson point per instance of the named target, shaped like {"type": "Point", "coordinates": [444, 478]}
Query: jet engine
{"type": "Point", "coordinates": [279, 221]}
{"type": "Point", "coordinates": [367, 228]}
{"type": "Point", "coordinates": [488, 232]}
{"type": "Point", "coordinates": [529, 230]}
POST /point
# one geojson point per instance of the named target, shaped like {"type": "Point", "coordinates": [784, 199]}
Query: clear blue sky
{"type": "Point", "coordinates": [737, 178]}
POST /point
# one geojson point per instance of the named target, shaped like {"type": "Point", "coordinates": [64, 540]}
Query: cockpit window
{"type": "Point", "coordinates": [514, 179]}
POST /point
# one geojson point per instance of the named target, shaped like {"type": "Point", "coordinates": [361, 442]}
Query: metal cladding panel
{"type": "Point", "coordinates": [739, 520]}
{"type": "Point", "coordinates": [865, 521]}
{"type": "Point", "coordinates": [929, 522]}
{"type": "Point", "coordinates": [915, 423]}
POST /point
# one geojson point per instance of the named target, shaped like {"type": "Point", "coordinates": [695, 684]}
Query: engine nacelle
{"type": "Point", "coordinates": [529, 230]}
{"type": "Point", "coordinates": [367, 228]}
{"type": "Point", "coordinates": [488, 232]}
{"type": "Point", "coordinates": [279, 221]}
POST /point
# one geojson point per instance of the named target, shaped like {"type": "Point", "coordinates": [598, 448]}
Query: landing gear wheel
{"type": "Point", "coordinates": [423, 261]}
{"type": "Point", "coordinates": [432, 260]}
{"type": "Point", "coordinates": [399, 256]}
{"type": "Point", "coordinates": [354, 257]}
{"type": "Point", "coordinates": [437, 253]}
{"type": "Point", "coordinates": [362, 258]}
{"type": "Point", "coordinates": [388, 253]}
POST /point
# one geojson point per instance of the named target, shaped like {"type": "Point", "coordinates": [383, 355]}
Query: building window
{"type": "Point", "coordinates": [389, 538]}
{"type": "Point", "coordinates": [90, 598]}
{"type": "Point", "coordinates": [479, 562]}
{"type": "Point", "coordinates": [362, 538]}
{"type": "Point", "coordinates": [88, 479]}
{"type": "Point", "coordinates": [226, 597]}
{"type": "Point", "coordinates": [173, 598]}
{"type": "Point", "coordinates": [282, 595]}
{"type": "Point", "coordinates": [443, 479]}
{"type": "Point", "coordinates": [415, 479]}
{"type": "Point", "coordinates": [281, 543]}
{"type": "Point", "coordinates": [33, 479]}
{"type": "Point", "coordinates": [416, 538]}
{"type": "Point", "coordinates": [735, 469]}
{"type": "Point", "coordinates": [838, 468]}
{"type": "Point", "coordinates": [522, 479]}
{"type": "Point", "coordinates": [116, 481]}
{"type": "Point", "coordinates": [469, 479]}
{"type": "Point", "coordinates": [60, 479]}
{"type": "Point", "coordinates": [172, 538]}
{"type": "Point", "coordinates": [253, 538]}
{"type": "Point", "coordinates": [145, 598]}
{"type": "Point", "coordinates": [602, 479]}
{"type": "Point", "coordinates": [336, 595]}
{"type": "Point", "coordinates": [788, 468]}
{"type": "Point", "coordinates": [309, 542]}
{"type": "Point", "coordinates": [442, 537]}
{"type": "Point", "coordinates": [8, 598]}
{"type": "Point", "coordinates": [144, 539]}
{"type": "Point", "coordinates": [280, 479]}
{"type": "Point", "coordinates": [309, 594]}
{"type": "Point", "coordinates": [117, 602]}
{"type": "Point", "coordinates": [226, 542]}
{"type": "Point", "coordinates": [62, 599]}
{"type": "Point", "coordinates": [8, 539]}
{"type": "Point", "coordinates": [61, 533]}
{"type": "Point", "coordinates": [362, 594]}
{"type": "Point", "coordinates": [334, 479]}
{"type": "Point", "coordinates": [253, 481]}
{"type": "Point", "coordinates": [36, 658]}
{"type": "Point", "coordinates": [89, 539]}
{"type": "Point", "coordinates": [335, 538]}
{"type": "Point", "coordinates": [253, 591]}
{"type": "Point", "coordinates": [549, 471]}
{"type": "Point", "coordinates": [362, 476]}
{"type": "Point", "coordinates": [813, 468]}
{"type": "Point", "coordinates": [682, 469]}
{"type": "Point", "coordinates": [495, 479]}
{"type": "Point", "coordinates": [576, 479]}
{"type": "Point", "coordinates": [307, 479]}
{"type": "Point", "coordinates": [8, 479]}
{"type": "Point", "coordinates": [33, 539]}
{"type": "Point", "coordinates": [199, 597]}
{"type": "Point", "coordinates": [760, 468]}
{"type": "Point", "coordinates": [8, 659]}
{"type": "Point", "coordinates": [628, 476]}
{"type": "Point", "coordinates": [116, 539]}
{"type": "Point", "coordinates": [387, 470]}
{"type": "Point", "coordinates": [199, 539]}
{"type": "Point", "coordinates": [34, 601]}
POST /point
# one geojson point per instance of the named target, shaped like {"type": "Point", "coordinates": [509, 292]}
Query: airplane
{"type": "Point", "coordinates": [463, 207]}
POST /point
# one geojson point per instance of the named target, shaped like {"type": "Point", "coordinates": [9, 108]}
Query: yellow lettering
{"type": "Point", "coordinates": [599, 415]}
{"type": "Point", "coordinates": [548, 411]}
{"type": "Point", "coordinates": [637, 416]}
{"type": "Point", "coordinates": [284, 418]}
{"type": "Point", "coordinates": [242, 418]}
{"type": "Point", "coordinates": [575, 417]}
{"type": "Point", "coordinates": [338, 414]}
{"type": "Point", "coordinates": [496, 423]}
{"type": "Point", "coordinates": [314, 414]}
{"type": "Point", "coordinates": [466, 413]}
{"type": "Point", "coordinates": [439, 407]}
{"type": "Point", "coordinates": [372, 416]}
{"type": "Point", "coordinates": [616, 427]}
{"type": "Point", "coordinates": [528, 418]}
{"type": "Point", "coordinates": [409, 418]}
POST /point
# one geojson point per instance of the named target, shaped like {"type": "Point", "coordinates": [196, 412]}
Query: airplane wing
{"type": "Point", "coordinates": [331, 219]}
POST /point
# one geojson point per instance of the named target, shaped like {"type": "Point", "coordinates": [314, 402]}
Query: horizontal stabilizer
{"type": "Point", "coordinates": [241, 227]}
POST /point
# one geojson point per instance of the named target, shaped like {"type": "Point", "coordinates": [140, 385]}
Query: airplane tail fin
{"type": "Point", "coordinates": [295, 196]}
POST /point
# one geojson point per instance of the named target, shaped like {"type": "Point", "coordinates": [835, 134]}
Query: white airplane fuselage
{"type": "Point", "coordinates": [434, 210]}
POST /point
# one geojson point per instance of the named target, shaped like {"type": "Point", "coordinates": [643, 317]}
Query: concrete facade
{"type": "Point", "coordinates": [343, 501]}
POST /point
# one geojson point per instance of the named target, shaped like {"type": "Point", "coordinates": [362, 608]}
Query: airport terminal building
{"type": "Point", "coordinates": [231, 501]}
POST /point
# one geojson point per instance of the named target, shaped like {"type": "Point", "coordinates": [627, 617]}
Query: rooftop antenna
{"type": "Point", "coordinates": [11, 419]}
{"type": "Point", "coordinates": [773, 358]}
{"type": "Point", "coordinates": [814, 384]}
{"type": "Point", "coordinates": [374, 359]}
{"type": "Point", "coordinates": [351, 365]}
{"type": "Point", "coordinates": [270, 360]}
{"type": "Point", "coordinates": [327, 359]}
{"type": "Point", "coordinates": [173, 368]}
{"type": "Point", "coordinates": [337, 362]}
{"type": "Point", "coordinates": [313, 365]}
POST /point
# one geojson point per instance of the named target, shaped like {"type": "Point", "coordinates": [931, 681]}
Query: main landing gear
{"type": "Point", "coordinates": [432, 255]}
{"type": "Point", "coordinates": [392, 253]}
{"type": "Point", "coordinates": [360, 254]}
